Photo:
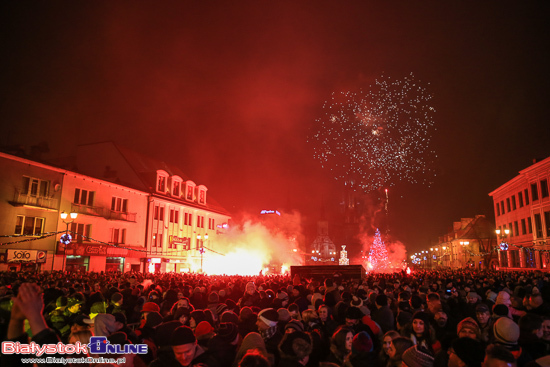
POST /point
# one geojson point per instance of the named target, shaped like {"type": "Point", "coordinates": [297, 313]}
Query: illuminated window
{"type": "Point", "coordinates": [29, 226]}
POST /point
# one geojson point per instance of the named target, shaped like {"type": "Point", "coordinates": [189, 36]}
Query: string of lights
{"type": "Point", "coordinates": [216, 252]}
{"type": "Point", "coordinates": [45, 235]}
{"type": "Point", "coordinates": [50, 234]}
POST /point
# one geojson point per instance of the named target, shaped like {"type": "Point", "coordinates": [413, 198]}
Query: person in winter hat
{"type": "Point", "coordinates": [267, 327]}
{"type": "Point", "coordinates": [417, 356]}
{"type": "Point", "coordinates": [468, 328]}
{"type": "Point", "coordinates": [295, 349]}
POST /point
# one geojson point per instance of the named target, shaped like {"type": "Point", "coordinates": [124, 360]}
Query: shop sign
{"type": "Point", "coordinates": [86, 250]}
{"type": "Point", "coordinates": [26, 256]}
{"type": "Point", "coordinates": [185, 241]}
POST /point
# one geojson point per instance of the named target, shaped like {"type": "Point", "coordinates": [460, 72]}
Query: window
{"type": "Point", "coordinates": [157, 240]}
{"type": "Point", "coordinates": [29, 226]}
{"type": "Point", "coordinates": [513, 202]}
{"type": "Point", "coordinates": [523, 226]}
{"type": "Point", "coordinates": [81, 231]}
{"type": "Point", "coordinates": [84, 197]}
{"type": "Point", "coordinates": [520, 198]}
{"type": "Point", "coordinates": [161, 184]}
{"type": "Point", "coordinates": [176, 189]}
{"type": "Point", "coordinates": [529, 225]}
{"type": "Point", "coordinates": [544, 188]}
{"type": "Point", "coordinates": [200, 221]}
{"type": "Point", "coordinates": [118, 236]}
{"type": "Point", "coordinates": [502, 207]}
{"type": "Point", "coordinates": [34, 186]}
{"type": "Point", "coordinates": [188, 220]}
{"type": "Point", "coordinates": [516, 228]}
{"type": "Point", "coordinates": [534, 192]}
{"type": "Point", "coordinates": [158, 213]}
{"type": "Point", "coordinates": [508, 205]}
{"type": "Point", "coordinates": [174, 216]}
{"type": "Point", "coordinates": [547, 223]}
{"type": "Point", "coordinates": [119, 205]}
{"type": "Point", "coordinates": [511, 230]}
{"type": "Point", "coordinates": [526, 195]}
{"type": "Point", "coordinates": [189, 190]}
{"type": "Point", "coordinates": [211, 223]}
{"type": "Point", "coordinates": [538, 226]}
{"type": "Point", "coordinates": [202, 197]}
{"type": "Point", "coordinates": [498, 209]}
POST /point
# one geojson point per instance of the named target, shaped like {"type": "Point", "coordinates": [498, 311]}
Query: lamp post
{"type": "Point", "coordinates": [201, 250]}
{"type": "Point", "coordinates": [66, 238]}
{"type": "Point", "coordinates": [503, 245]}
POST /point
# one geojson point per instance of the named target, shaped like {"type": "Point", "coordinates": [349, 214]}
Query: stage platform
{"type": "Point", "coordinates": [321, 272]}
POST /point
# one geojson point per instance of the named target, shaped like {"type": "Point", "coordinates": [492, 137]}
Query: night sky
{"type": "Point", "coordinates": [230, 91]}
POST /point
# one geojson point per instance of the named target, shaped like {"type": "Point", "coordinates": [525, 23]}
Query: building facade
{"type": "Point", "coordinates": [132, 214]}
{"type": "Point", "coordinates": [522, 213]}
{"type": "Point", "coordinates": [30, 197]}
{"type": "Point", "coordinates": [469, 244]}
{"type": "Point", "coordinates": [182, 221]}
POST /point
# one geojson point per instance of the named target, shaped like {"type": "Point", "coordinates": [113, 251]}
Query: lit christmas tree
{"type": "Point", "coordinates": [378, 256]}
{"type": "Point", "coordinates": [343, 256]}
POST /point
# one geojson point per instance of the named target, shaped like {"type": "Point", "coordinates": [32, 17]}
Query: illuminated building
{"type": "Point", "coordinates": [522, 214]}
{"type": "Point", "coordinates": [133, 213]}
{"type": "Point", "coordinates": [181, 218]}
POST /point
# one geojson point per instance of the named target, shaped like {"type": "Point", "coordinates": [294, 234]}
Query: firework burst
{"type": "Point", "coordinates": [377, 137]}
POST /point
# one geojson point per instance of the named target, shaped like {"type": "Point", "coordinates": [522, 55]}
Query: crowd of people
{"type": "Point", "coordinates": [445, 318]}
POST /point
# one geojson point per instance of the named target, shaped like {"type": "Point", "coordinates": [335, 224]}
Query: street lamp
{"type": "Point", "coordinates": [66, 238]}
{"type": "Point", "coordinates": [201, 250]}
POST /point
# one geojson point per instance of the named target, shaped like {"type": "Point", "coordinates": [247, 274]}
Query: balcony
{"type": "Point", "coordinates": [114, 215]}
{"type": "Point", "coordinates": [87, 210]}
{"type": "Point", "coordinates": [35, 201]}
{"type": "Point", "coordinates": [103, 212]}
